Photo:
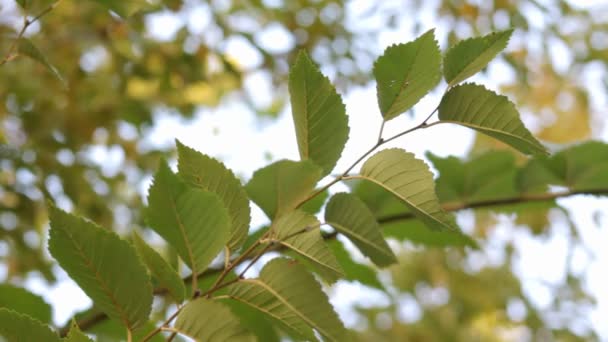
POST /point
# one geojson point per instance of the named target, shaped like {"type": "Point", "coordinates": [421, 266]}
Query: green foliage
{"type": "Point", "coordinates": [16, 327]}
{"type": "Point", "coordinates": [353, 270]}
{"type": "Point", "coordinates": [349, 216]}
{"type": "Point", "coordinates": [204, 209]}
{"type": "Point", "coordinates": [405, 73]}
{"type": "Point", "coordinates": [279, 187]}
{"type": "Point", "coordinates": [207, 320]}
{"type": "Point", "coordinates": [193, 221]}
{"type": "Point", "coordinates": [27, 48]}
{"type": "Point", "coordinates": [76, 335]}
{"type": "Point", "coordinates": [481, 109]}
{"type": "Point", "coordinates": [489, 176]}
{"type": "Point", "coordinates": [579, 168]}
{"type": "Point", "coordinates": [106, 267]}
{"type": "Point", "coordinates": [410, 179]}
{"type": "Point", "coordinates": [318, 114]}
{"type": "Point", "coordinates": [124, 8]}
{"type": "Point", "coordinates": [469, 56]}
{"type": "Point", "coordinates": [300, 232]}
{"type": "Point", "coordinates": [288, 293]}
{"type": "Point", "coordinates": [211, 175]}
{"type": "Point", "coordinates": [166, 276]}
{"type": "Point", "coordinates": [20, 300]}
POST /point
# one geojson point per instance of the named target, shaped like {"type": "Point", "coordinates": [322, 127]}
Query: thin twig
{"type": "Point", "coordinates": [11, 54]}
{"type": "Point", "coordinates": [255, 259]}
{"type": "Point", "coordinates": [165, 324]}
{"type": "Point", "coordinates": [379, 143]}
{"type": "Point", "coordinates": [381, 131]}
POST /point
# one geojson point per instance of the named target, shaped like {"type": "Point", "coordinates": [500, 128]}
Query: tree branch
{"type": "Point", "coordinates": [456, 206]}
{"type": "Point", "coordinates": [97, 318]}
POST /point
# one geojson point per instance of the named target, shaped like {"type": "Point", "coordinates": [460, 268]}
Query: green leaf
{"type": "Point", "coordinates": [300, 232]}
{"type": "Point", "coordinates": [279, 187]}
{"type": "Point", "coordinates": [111, 331]}
{"type": "Point", "coordinates": [351, 217]}
{"type": "Point", "coordinates": [209, 321]}
{"type": "Point", "coordinates": [490, 176]}
{"type": "Point", "coordinates": [411, 181]}
{"type": "Point", "coordinates": [405, 73]}
{"type": "Point", "coordinates": [318, 114]}
{"type": "Point", "coordinates": [124, 8]}
{"type": "Point", "coordinates": [16, 327]}
{"type": "Point", "coordinates": [316, 203]}
{"type": "Point", "coordinates": [75, 335]}
{"type": "Point", "coordinates": [193, 221]}
{"type": "Point", "coordinates": [20, 300]}
{"type": "Point", "coordinates": [286, 292]}
{"type": "Point", "coordinates": [210, 174]}
{"type": "Point", "coordinates": [416, 232]}
{"type": "Point", "coordinates": [469, 56]}
{"type": "Point", "coordinates": [579, 167]}
{"type": "Point", "coordinates": [105, 267]}
{"type": "Point", "coordinates": [27, 48]}
{"type": "Point", "coordinates": [166, 276]}
{"type": "Point", "coordinates": [257, 324]}
{"type": "Point", "coordinates": [353, 270]}
{"type": "Point", "coordinates": [476, 107]}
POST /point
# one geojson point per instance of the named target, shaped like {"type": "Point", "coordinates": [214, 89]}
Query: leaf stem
{"type": "Point", "coordinates": [217, 284]}
{"type": "Point", "coordinates": [381, 130]}
{"type": "Point", "coordinates": [379, 143]}
{"type": "Point", "coordinates": [162, 326]}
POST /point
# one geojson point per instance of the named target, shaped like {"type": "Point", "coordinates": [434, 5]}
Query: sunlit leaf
{"type": "Point", "coordinates": [105, 267]}
{"type": "Point", "coordinates": [124, 8]}
{"type": "Point", "coordinates": [76, 335]}
{"type": "Point", "coordinates": [300, 232]}
{"type": "Point", "coordinates": [289, 294]}
{"type": "Point", "coordinates": [20, 300]}
{"type": "Point", "coordinates": [209, 321]}
{"type": "Point", "coordinates": [405, 73]}
{"type": "Point", "coordinates": [476, 107]}
{"type": "Point", "coordinates": [17, 327]}
{"type": "Point", "coordinates": [411, 181]}
{"type": "Point", "coordinates": [27, 48]}
{"type": "Point", "coordinates": [351, 217]}
{"type": "Point", "coordinates": [318, 114]}
{"type": "Point", "coordinates": [210, 174]}
{"type": "Point", "coordinates": [469, 56]}
{"type": "Point", "coordinates": [279, 187]}
{"type": "Point", "coordinates": [166, 276]}
{"type": "Point", "coordinates": [195, 222]}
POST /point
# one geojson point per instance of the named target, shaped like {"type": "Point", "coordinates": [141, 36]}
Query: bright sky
{"type": "Point", "coordinates": [234, 134]}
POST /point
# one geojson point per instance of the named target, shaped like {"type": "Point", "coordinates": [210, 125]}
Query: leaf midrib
{"type": "Point", "coordinates": [182, 231]}
{"type": "Point", "coordinates": [286, 303]}
{"type": "Point", "coordinates": [360, 238]}
{"type": "Point", "coordinates": [290, 246]}
{"type": "Point", "coordinates": [400, 197]}
{"type": "Point", "coordinates": [494, 130]}
{"type": "Point", "coordinates": [98, 277]}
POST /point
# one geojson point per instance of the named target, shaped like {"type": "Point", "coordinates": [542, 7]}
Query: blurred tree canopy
{"type": "Point", "coordinates": [118, 69]}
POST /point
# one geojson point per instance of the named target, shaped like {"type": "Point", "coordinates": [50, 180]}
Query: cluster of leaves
{"type": "Point", "coordinates": [203, 210]}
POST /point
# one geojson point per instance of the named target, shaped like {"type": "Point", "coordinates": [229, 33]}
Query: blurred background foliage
{"type": "Point", "coordinates": [181, 56]}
